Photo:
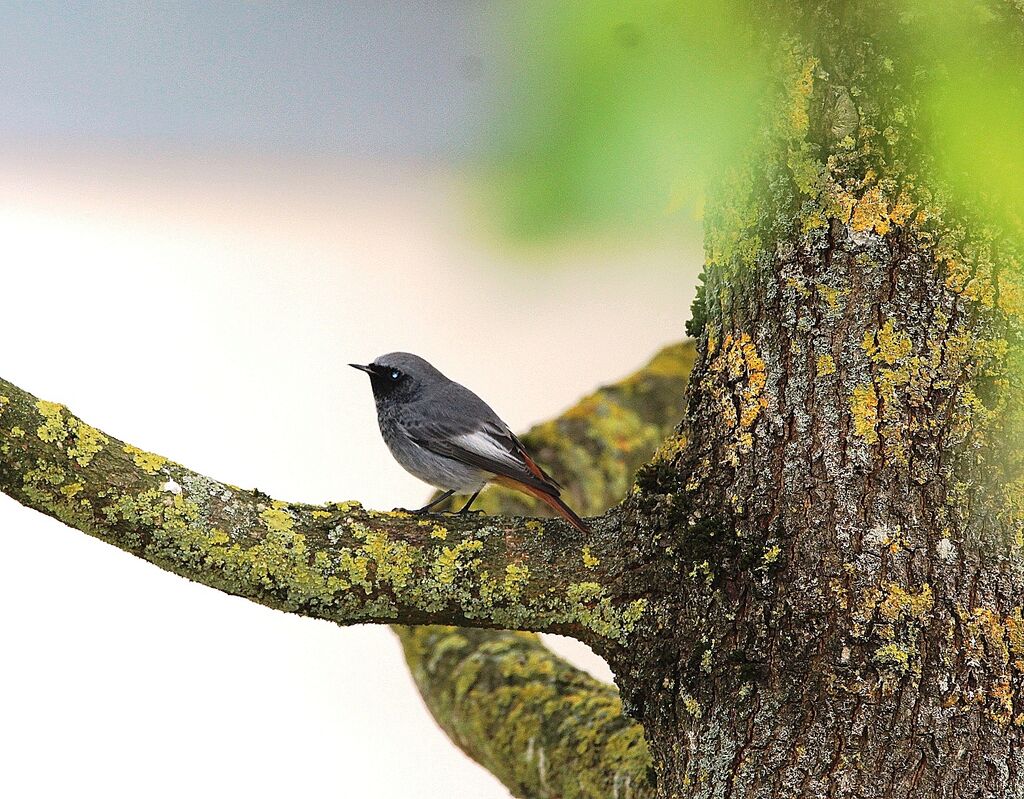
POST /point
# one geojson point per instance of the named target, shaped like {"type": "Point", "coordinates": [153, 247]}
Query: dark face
{"type": "Point", "coordinates": [389, 383]}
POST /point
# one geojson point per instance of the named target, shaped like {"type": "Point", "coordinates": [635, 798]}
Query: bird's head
{"type": "Point", "coordinates": [399, 376]}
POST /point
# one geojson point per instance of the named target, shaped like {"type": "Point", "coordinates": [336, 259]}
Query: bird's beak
{"type": "Point", "coordinates": [368, 368]}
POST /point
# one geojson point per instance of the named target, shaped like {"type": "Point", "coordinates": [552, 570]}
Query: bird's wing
{"type": "Point", "coordinates": [464, 428]}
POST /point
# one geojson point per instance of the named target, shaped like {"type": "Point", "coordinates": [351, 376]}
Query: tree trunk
{"type": "Point", "coordinates": [814, 588]}
{"type": "Point", "coordinates": [833, 538]}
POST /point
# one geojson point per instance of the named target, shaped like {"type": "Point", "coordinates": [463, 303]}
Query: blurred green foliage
{"type": "Point", "coordinates": [619, 111]}
{"type": "Point", "coordinates": [970, 57]}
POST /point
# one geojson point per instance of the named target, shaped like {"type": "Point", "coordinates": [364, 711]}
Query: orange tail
{"type": "Point", "coordinates": [552, 501]}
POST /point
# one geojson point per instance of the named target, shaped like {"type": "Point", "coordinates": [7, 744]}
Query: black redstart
{"type": "Point", "coordinates": [444, 434]}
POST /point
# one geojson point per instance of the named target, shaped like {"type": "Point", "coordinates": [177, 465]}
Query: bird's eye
{"type": "Point", "coordinates": [395, 374]}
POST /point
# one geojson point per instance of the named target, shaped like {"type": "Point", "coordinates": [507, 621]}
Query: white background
{"type": "Point", "coordinates": [204, 308]}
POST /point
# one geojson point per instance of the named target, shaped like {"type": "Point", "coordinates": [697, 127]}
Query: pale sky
{"type": "Point", "coordinates": [206, 212]}
{"type": "Point", "coordinates": [382, 78]}
{"type": "Point", "coordinates": [206, 312]}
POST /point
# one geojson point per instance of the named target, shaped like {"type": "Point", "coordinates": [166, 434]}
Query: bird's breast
{"type": "Point", "coordinates": [437, 470]}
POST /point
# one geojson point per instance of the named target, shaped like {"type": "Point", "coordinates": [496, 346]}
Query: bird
{"type": "Point", "coordinates": [445, 435]}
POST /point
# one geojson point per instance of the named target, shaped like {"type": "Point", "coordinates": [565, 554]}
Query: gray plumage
{"type": "Point", "coordinates": [444, 434]}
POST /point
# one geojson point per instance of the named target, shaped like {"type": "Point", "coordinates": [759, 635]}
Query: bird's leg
{"type": "Point", "coordinates": [472, 499]}
{"type": "Point", "coordinates": [429, 505]}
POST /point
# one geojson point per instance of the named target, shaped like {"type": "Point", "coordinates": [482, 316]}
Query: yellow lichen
{"type": "Point", "coordinates": [71, 489]}
{"type": "Point", "coordinates": [1001, 694]}
{"type": "Point", "coordinates": [447, 563]}
{"type": "Point", "coordinates": [589, 560]}
{"type": "Point", "coordinates": [871, 213]}
{"type": "Point", "coordinates": [900, 604]}
{"type": "Point", "coordinates": [800, 94]}
{"type": "Point", "coordinates": [864, 410]}
{"type": "Point", "coordinates": [516, 576]}
{"type": "Point", "coordinates": [887, 345]}
{"type": "Point", "coordinates": [893, 657]}
{"type": "Point", "coordinates": [394, 559]}
{"type": "Point", "coordinates": [88, 441]}
{"type": "Point", "coordinates": [439, 532]}
{"type": "Point", "coordinates": [53, 429]}
{"type": "Point", "coordinates": [277, 520]}
{"type": "Point", "coordinates": [771, 555]}
{"type": "Point", "coordinates": [902, 210]}
{"type": "Point", "coordinates": [825, 365]}
{"type": "Point", "coordinates": [833, 297]}
{"type": "Point", "coordinates": [149, 462]}
{"type": "Point", "coordinates": [735, 381]}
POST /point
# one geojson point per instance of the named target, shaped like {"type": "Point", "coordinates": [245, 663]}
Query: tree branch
{"type": "Point", "coordinates": [542, 727]}
{"type": "Point", "coordinates": [339, 562]}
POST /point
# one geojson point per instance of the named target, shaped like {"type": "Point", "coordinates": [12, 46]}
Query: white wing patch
{"type": "Point", "coordinates": [485, 445]}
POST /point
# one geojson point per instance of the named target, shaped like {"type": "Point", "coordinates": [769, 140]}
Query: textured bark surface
{"type": "Point", "coordinates": [339, 562]}
{"type": "Point", "coordinates": [834, 567]}
{"type": "Point", "coordinates": [544, 728]}
{"type": "Point", "coordinates": [814, 589]}
{"type": "Point", "coordinates": [541, 726]}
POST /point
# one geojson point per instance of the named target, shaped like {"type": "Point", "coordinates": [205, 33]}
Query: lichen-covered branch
{"type": "Point", "coordinates": [339, 562]}
{"type": "Point", "coordinates": [542, 727]}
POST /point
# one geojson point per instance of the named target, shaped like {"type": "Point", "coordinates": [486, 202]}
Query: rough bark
{"type": "Point", "coordinates": [542, 727]}
{"type": "Point", "coordinates": [815, 587]}
{"type": "Point", "coordinates": [339, 562]}
{"type": "Point", "coordinates": [833, 542]}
